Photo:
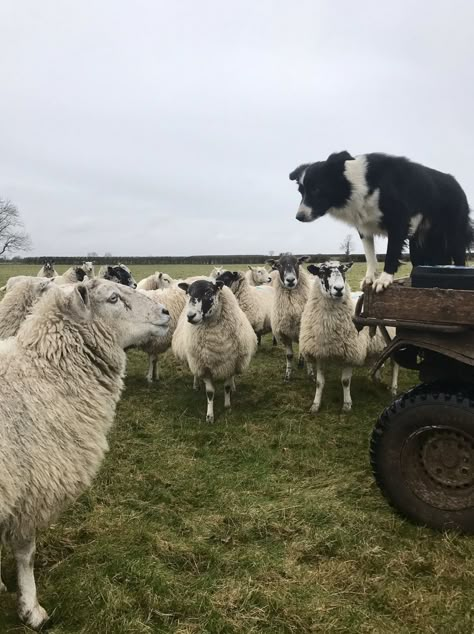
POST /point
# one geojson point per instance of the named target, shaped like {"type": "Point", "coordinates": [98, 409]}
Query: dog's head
{"type": "Point", "coordinates": [322, 185]}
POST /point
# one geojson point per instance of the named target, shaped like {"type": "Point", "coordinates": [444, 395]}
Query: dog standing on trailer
{"type": "Point", "coordinates": [387, 195]}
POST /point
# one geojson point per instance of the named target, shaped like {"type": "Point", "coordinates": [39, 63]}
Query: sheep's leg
{"type": "Point", "coordinates": [274, 341]}
{"type": "Point", "coordinates": [232, 385]}
{"type": "Point", "coordinates": [289, 360]}
{"type": "Point", "coordinates": [210, 401]}
{"type": "Point", "coordinates": [319, 388]}
{"type": "Point", "coordinates": [301, 361]}
{"type": "Point", "coordinates": [3, 587]}
{"type": "Point", "coordinates": [152, 374]}
{"type": "Point", "coordinates": [394, 386]}
{"type": "Point", "coordinates": [346, 389]}
{"type": "Point", "coordinates": [378, 376]}
{"type": "Point", "coordinates": [259, 338]}
{"type": "Point", "coordinates": [29, 610]}
{"type": "Point", "coordinates": [196, 383]}
{"type": "Point", "coordinates": [227, 390]}
{"type": "Point", "coordinates": [310, 370]}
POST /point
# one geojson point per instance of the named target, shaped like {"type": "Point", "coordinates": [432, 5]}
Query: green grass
{"type": "Point", "coordinates": [267, 521]}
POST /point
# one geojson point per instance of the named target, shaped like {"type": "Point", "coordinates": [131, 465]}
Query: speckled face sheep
{"type": "Point", "coordinates": [291, 294]}
{"type": "Point", "coordinates": [61, 379]}
{"type": "Point", "coordinates": [47, 270]}
{"type": "Point", "coordinates": [120, 274]}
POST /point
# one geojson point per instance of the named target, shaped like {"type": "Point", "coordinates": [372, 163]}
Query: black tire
{"type": "Point", "coordinates": [422, 456]}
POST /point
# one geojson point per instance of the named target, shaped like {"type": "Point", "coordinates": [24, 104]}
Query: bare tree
{"type": "Point", "coordinates": [92, 254]}
{"type": "Point", "coordinates": [347, 245]}
{"type": "Point", "coordinates": [12, 234]}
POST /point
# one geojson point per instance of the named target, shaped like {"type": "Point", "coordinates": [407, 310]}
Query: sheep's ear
{"type": "Point", "coordinates": [345, 267]}
{"type": "Point", "coordinates": [314, 269]}
{"type": "Point", "coordinates": [79, 301]}
{"type": "Point", "coordinates": [160, 276]}
{"type": "Point", "coordinates": [338, 157]}
{"type": "Point", "coordinates": [304, 258]}
{"type": "Point", "coordinates": [250, 267]}
{"type": "Point", "coordinates": [296, 173]}
{"type": "Point", "coordinates": [271, 262]}
{"type": "Point", "coordinates": [183, 286]}
{"type": "Point", "coordinates": [219, 284]}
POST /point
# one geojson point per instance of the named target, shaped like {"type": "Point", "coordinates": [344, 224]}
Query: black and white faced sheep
{"type": "Point", "coordinates": [291, 294]}
{"type": "Point", "coordinates": [47, 270]}
{"type": "Point", "coordinates": [120, 274]}
{"type": "Point", "coordinates": [61, 377]}
{"type": "Point", "coordinates": [214, 337]}
{"type": "Point", "coordinates": [328, 335]}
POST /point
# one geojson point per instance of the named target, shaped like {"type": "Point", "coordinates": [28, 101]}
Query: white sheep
{"type": "Point", "coordinates": [174, 301]}
{"type": "Point", "coordinates": [61, 376]}
{"type": "Point", "coordinates": [71, 276]}
{"type": "Point", "coordinates": [18, 302]}
{"type": "Point", "coordinates": [216, 271]}
{"type": "Point", "coordinates": [88, 269]}
{"type": "Point", "coordinates": [155, 281]}
{"type": "Point", "coordinates": [214, 337]}
{"type": "Point", "coordinates": [291, 293]}
{"type": "Point", "coordinates": [258, 275]}
{"type": "Point", "coordinates": [47, 270]}
{"type": "Point", "coordinates": [256, 302]}
{"type": "Point", "coordinates": [328, 335]}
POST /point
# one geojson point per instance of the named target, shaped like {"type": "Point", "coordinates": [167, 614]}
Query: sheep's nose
{"type": "Point", "coordinates": [339, 289]}
{"type": "Point", "coordinates": [290, 281]}
{"type": "Point", "coordinates": [165, 311]}
{"type": "Point", "coordinates": [191, 317]}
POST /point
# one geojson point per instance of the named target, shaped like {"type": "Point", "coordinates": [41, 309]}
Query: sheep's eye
{"type": "Point", "coordinates": [113, 299]}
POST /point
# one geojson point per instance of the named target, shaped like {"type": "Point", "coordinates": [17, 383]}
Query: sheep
{"type": "Point", "coordinates": [61, 376]}
{"type": "Point", "coordinates": [255, 302]}
{"type": "Point", "coordinates": [18, 301]}
{"type": "Point", "coordinates": [118, 273]}
{"type": "Point", "coordinates": [88, 269]}
{"type": "Point", "coordinates": [47, 270]}
{"type": "Point", "coordinates": [216, 271]}
{"type": "Point", "coordinates": [16, 279]}
{"type": "Point", "coordinates": [174, 300]}
{"type": "Point", "coordinates": [257, 276]}
{"type": "Point", "coordinates": [291, 293]}
{"type": "Point", "coordinates": [328, 334]}
{"type": "Point", "coordinates": [214, 337]}
{"type": "Point", "coordinates": [71, 276]}
{"type": "Point", "coordinates": [155, 281]}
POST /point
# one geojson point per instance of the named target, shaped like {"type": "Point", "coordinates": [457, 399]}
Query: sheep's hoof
{"type": "Point", "coordinates": [228, 408]}
{"type": "Point", "coordinates": [287, 378]}
{"type": "Point", "coordinates": [347, 407]}
{"type": "Point", "coordinates": [35, 618]}
{"type": "Point", "coordinates": [394, 391]}
{"type": "Point", "coordinates": [314, 409]}
{"type": "Point", "coordinates": [210, 418]}
{"type": "Point", "coordinates": [301, 362]}
{"type": "Point", "coordinates": [3, 587]}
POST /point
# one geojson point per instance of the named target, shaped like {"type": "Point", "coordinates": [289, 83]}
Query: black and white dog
{"type": "Point", "coordinates": [387, 195]}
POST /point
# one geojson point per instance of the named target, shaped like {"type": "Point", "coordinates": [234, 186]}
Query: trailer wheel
{"type": "Point", "coordinates": [422, 456]}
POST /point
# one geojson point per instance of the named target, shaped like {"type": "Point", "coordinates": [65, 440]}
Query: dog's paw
{"type": "Point", "coordinates": [367, 281]}
{"type": "Point", "coordinates": [383, 282]}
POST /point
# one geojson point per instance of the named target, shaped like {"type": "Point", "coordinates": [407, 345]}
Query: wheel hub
{"type": "Point", "coordinates": [447, 458]}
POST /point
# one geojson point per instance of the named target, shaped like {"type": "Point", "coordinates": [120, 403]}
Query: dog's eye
{"type": "Point", "coordinates": [113, 299]}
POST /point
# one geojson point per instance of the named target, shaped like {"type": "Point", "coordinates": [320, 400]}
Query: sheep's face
{"type": "Point", "coordinates": [163, 280]}
{"type": "Point", "coordinates": [120, 274]}
{"type": "Point", "coordinates": [216, 272]}
{"type": "Point", "coordinates": [48, 266]}
{"type": "Point", "coordinates": [288, 267]}
{"type": "Point", "coordinates": [203, 299]}
{"type": "Point", "coordinates": [332, 277]}
{"type": "Point", "coordinates": [134, 317]}
{"type": "Point", "coordinates": [231, 279]}
{"type": "Point", "coordinates": [88, 268]}
{"type": "Point", "coordinates": [260, 275]}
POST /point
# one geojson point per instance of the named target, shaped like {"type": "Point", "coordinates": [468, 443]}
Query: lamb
{"type": "Point", "coordinates": [61, 376]}
{"type": "Point", "coordinates": [214, 337]}
{"type": "Point", "coordinates": [257, 276]}
{"type": "Point", "coordinates": [18, 302]}
{"type": "Point", "coordinates": [71, 276]}
{"type": "Point", "coordinates": [47, 270]}
{"type": "Point", "coordinates": [328, 334]}
{"type": "Point", "coordinates": [255, 302]}
{"type": "Point", "coordinates": [155, 281]}
{"type": "Point", "coordinates": [119, 273]}
{"type": "Point", "coordinates": [174, 300]}
{"type": "Point", "coordinates": [291, 293]}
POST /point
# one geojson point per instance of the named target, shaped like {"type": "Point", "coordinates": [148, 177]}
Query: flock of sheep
{"type": "Point", "coordinates": [62, 362]}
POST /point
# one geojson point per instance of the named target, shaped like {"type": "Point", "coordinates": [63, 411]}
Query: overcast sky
{"type": "Point", "coordinates": [152, 127]}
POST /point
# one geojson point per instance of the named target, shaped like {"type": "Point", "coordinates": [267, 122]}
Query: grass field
{"type": "Point", "coordinates": [267, 521]}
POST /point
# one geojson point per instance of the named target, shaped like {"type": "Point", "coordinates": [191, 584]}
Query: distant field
{"type": "Point", "coordinates": [267, 521]}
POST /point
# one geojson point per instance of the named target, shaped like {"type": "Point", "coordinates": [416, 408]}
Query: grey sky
{"type": "Point", "coordinates": [170, 127]}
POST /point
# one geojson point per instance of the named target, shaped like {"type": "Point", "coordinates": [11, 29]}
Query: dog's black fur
{"type": "Point", "coordinates": [405, 189]}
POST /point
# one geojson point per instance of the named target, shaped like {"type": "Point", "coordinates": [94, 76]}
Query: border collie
{"type": "Point", "coordinates": [387, 195]}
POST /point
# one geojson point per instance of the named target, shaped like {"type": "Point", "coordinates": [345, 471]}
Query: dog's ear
{"type": "Point", "coordinates": [314, 269]}
{"type": "Point", "coordinates": [339, 157]}
{"type": "Point", "coordinates": [296, 173]}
